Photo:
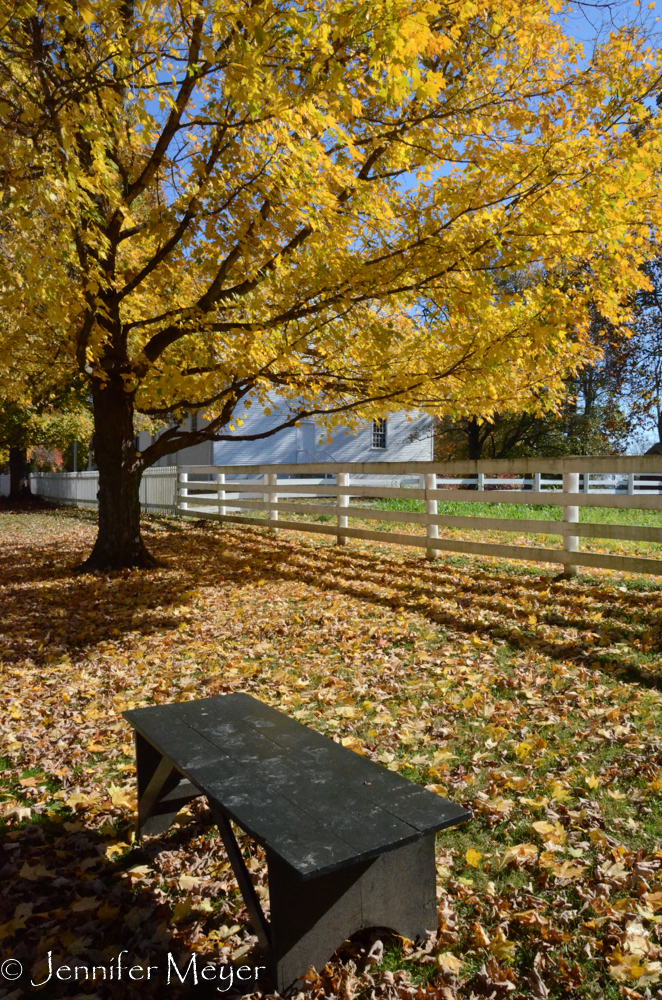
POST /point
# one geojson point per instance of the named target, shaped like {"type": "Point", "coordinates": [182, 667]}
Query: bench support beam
{"type": "Point", "coordinates": [162, 789]}
{"type": "Point", "coordinates": [311, 918]}
{"type": "Point", "coordinates": [258, 919]}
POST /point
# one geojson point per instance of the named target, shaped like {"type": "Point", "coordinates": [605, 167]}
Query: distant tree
{"type": "Point", "coordinates": [51, 420]}
{"type": "Point", "coordinates": [645, 377]}
{"type": "Point", "coordinates": [594, 418]}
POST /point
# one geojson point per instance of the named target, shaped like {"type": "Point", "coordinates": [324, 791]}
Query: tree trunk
{"type": "Point", "coordinates": [19, 477]}
{"type": "Point", "coordinates": [119, 544]}
{"type": "Point", "coordinates": [475, 445]}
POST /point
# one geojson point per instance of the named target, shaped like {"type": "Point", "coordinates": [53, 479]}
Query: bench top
{"type": "Point", "coordinates": [316, 804]}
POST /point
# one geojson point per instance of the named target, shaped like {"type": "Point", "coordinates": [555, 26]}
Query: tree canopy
{"type": "Point", "coordinates": [215, 200]}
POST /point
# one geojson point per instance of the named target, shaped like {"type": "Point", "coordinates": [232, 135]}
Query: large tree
{"type": "Point", "coordinates": [321, 199]}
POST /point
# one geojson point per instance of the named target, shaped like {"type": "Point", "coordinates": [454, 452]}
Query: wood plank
{"type": "Point", "coordinates": [301, 842]}
{"type": "Point", "coordinates": [552, 499]}
{"type": "Point", "coordinates": [348, 811]}
{"type": "Point", "coordinates": [628, 532]}
{"type": "Point", "coordinates": [633, 564]}
{"type": "Point", "coordinates": [265, 770]}
{"type": "Point", "coordinates": [616, 464]}
{"type": "Point", "coordinates": [624, 564]}
{"type": "Point", "coordinates": [549, 498]}
{"type": "Point", "coordinates": [322, 753]}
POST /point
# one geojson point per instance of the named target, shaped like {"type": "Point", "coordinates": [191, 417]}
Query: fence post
{"type": "Point", "coordinates": [183, 478]}
{"type": "Point", "coordinates": [481, 482]}
{"type": "Point", "coordinates": [587, 482]}
{"type": "Point", "coordinates": [342, 479]}
{"type": "Point", "coordinates": [631, 484]}
{"type": "Point", "coordinates": [537, 476]}
{"type": "Point", "coordinates": [220, 493]}
{"type": "Point", "coordinates": [432, 530]}
{"type": "Point", "coordinates": [570, 517]}
{"type": "Point", "coordinates": [272, 479]}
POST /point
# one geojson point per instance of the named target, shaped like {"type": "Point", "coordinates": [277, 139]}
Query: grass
{"type": "Point", "coordinates": [478, 508]}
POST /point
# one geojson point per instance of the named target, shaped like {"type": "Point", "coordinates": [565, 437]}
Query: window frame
{"type": "Point", "coordinates": [379, 431]}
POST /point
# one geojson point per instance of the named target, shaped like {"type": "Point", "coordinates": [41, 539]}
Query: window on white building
{"type": "Point", "coordinates": [379, 433]}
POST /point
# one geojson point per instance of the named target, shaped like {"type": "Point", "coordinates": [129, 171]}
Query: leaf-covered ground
{"type": "Point", "coordinates": [536, 703]}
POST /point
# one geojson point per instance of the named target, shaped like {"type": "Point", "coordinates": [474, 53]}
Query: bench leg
{"type": "Point", "coordinates": [311, 918]}
{"type": "Point", "coordinates": [246, 887]}
{"type": "Point", "coordinates": [162, 790]}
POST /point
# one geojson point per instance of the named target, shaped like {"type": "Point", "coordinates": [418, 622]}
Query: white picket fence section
{"type": "Point", "coordinates": [158, 488]}
{"type": "Point", "coordinates": [224, 492]}
{"type": "Point", "coordinates": [259, 494]}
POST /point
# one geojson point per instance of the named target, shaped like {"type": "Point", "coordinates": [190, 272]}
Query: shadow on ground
{"type": "Point", "coordinates": [49, 611]}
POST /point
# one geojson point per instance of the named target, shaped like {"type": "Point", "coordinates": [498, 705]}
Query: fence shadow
{"type": "Point", "coordinates": [50, 611]}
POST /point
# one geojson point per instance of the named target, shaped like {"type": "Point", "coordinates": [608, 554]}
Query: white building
{"type": "Point", "coordinates": [401, 437]}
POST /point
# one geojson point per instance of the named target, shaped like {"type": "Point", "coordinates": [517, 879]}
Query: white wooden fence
{"type": "Point", "coordinates": [260, 494]}
{"type": "Point", "coordinates": [158, 488]}
{"type": "Point", "coordinates": [223, 492]}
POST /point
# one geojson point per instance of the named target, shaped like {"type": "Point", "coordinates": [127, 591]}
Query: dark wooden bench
{"type": "Point", "coordinates": [349, 844]}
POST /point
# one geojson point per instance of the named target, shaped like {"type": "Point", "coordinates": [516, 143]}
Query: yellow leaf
{"type": "Point", "coordinates": [79, 801]}
{"type": "Point", "coordinates": [503, 806]}
{"type": "Point", "coordinates": [182, 909]}
{"type": "Point", "coordinates": [139, 871]}
{"type": "Point", "coordinates": [85, 904]}
{"type": "Point", "coordinates": [34, 872]}
{"type": "Point", "coordinates": [568, 870]}
{"type": "Point", "coordinates": [123, 798]}
{"type": "Point", "coordinates": [113, 849]}
{"type": "Point", "coordinates": [447, 962]}
{"type": "Point", "coordinates": [519, 853]}
{"type": "Point", "coordinates": [473, 857]}
{"type": "Point", "coordinates": [592, 781]}
{"type": "Point", "coordinates": [559, 792]}
{"type": "Point", "coordinates": [354, 744]}
{"type": "Point", "coordinates": [502, 949]}
{"type": "Point", "coordinates": [481, 937]}
{"type": "Point", "coordinates": [543, 828]}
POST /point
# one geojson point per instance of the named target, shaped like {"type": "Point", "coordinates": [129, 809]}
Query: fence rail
{"type": "Point", "coordinates": [234, 493]}
{"type": "Point", "coordinates": [259, 494]}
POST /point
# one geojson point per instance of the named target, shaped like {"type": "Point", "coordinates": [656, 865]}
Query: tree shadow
{"type": "Point", "coordinates": [585, 620]}
{"type": "Point", "coordinates": [50, 611]}
{"type": "Point", "coordinates": [68, 906]}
